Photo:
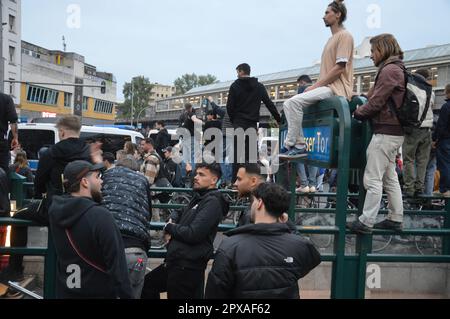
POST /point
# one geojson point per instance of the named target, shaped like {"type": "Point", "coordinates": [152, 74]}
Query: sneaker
{"type": "Point", "coordinates": [312, 189]}
{"type": "Point", "coordinates": [359, 228]}
{"type": "Point", "coordinates": [389, 225]}
{"type": "Point", "coordinates": [284, 149]}
{"type": "Point", "coordinates": [294, 153]}
{"type": "Point", "coordinates": [303, 190]}
{"type": "Point", "coordinates": [439, 194]}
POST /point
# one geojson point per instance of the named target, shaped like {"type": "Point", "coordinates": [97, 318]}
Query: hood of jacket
{"type": "Point", "coordinates": [247, 83]}
{"type": "Point", "coordinates": [70, 150]}
{"type": "Point", "coordinates": [203, 194]}
{"type": "Point", "coordinates": [67, 210]}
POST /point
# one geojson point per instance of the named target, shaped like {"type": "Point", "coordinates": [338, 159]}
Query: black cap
{"type": "Point", "coordinates": [75, 171]}
{"type": "Point", "coordinates": [167, 149]}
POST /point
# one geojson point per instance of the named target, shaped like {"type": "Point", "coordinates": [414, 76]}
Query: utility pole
{"type": "Point", "coordinates": [2, 61]}
{"type": "Point", "coordinates": [132, 102]}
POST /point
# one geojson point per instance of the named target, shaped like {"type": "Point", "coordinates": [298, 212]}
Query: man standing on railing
{"type": "Point", "coordinates": [336, 79]}
{"type": "Point", "coordinates": [262, 260]}
{"type": "Point", "coordinates": [191, 236]}
{"type": "Point", "coordinates": [387, 139]}
{"type": "Point", "coordinates": [88, 243]}
{"type": "Point", "coordinates": [243, 107]}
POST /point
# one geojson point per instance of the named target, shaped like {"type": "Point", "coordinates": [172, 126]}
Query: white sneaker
{"type": "Point", "coordinates": [303, 190]}
{"type": "Point", "coordinates": [312, 189]}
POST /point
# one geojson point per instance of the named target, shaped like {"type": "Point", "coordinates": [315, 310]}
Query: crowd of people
{"type": "Point", "coordinates": [99, 206]}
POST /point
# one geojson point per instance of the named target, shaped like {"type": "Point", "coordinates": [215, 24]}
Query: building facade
{"type": "Point", "coordinates": [11, 45]}
{"type": "Point", "coordinates": [160, 92]}
{"type": "Point", "coordinates": [48, 91]}
{"type": "Point", "coordinates": [282, 86]}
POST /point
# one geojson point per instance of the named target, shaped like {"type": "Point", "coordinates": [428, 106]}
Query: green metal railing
{"type": "Point", "coordinates": [349, 141]}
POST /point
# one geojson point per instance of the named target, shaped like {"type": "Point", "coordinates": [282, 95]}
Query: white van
{"type": "Point", "coordinates": [34, 136]}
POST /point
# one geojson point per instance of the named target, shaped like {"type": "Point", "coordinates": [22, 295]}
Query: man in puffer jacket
{"type": "Point", "coordinates": [262, 260]}
{"type": "Point", "coordinates": [126, 194]}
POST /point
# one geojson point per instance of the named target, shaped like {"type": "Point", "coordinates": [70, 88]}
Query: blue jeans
{"type": "Point", "coordinates": [226, 166]}
{"type": "Point", "coordinates": [429, 178]}
{"type": "Point", "coordinates": [443, 164]}
{"type": "Point", "coordinates": [310, 179]}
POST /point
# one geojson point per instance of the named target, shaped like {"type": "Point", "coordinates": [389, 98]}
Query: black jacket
{"type": "Point", "coordinates": [263, 261]}
{"type": "Point", "coordinates": [54, 161]}
{"type": "Point", "coordinates": [126, 194]}
{"type": "Point", "coordinates": [5, 205]}
{"type": "Point", "coordinates": [442, 131]}
{"type": "Point", "coordinates": [195, 229]}
{"type": "Point", "coordinates": [244, 103]}
{"type": "Point", "coordinates": [98, 239]}
{"type": "Point", "coordinates": [162, 141]}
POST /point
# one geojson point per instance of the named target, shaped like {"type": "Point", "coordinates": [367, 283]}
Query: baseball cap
{"type": "Point", "coordinates": [75, 171]}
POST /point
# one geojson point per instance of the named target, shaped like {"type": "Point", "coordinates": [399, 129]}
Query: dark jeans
{"type": "Point", "coordinates": [179, 283]}
{"type": "Point", "coordinates": [19, 236]}
{"type": "Point", "coordinates": [443, 163]}
{"type": "Point", "coordinates": [4, 155]}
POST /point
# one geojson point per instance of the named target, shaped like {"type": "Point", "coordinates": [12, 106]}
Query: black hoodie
{"type": "Point", "coordinates": [54, 161]}
{"type": "Point", "coordinates": [244, 103]}
{"type": "Point", "coordinates": [98, 239]}
{"type": "Point", "coordinates": [195, 229]}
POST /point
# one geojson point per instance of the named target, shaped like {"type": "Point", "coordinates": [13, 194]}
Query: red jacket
{"type": "Point", "coordinates": [390, 86]}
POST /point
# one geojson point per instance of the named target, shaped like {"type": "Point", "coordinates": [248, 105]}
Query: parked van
{"type": "Point", "coordinates": [34, 136]}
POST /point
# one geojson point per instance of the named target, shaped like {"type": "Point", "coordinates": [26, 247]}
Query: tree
{"type": "Point", "coordinates": [187, 82]}
{"type": "Point", "coordinates": [140, 89]}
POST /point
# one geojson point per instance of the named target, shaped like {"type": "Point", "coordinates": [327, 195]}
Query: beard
{"type": "Point", "coordinates": [97, 196]}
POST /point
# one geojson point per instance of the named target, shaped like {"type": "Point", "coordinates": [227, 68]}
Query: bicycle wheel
{"type": "Point", "coordinates": [178, 199]}
{"type": "Point", "coordinates": [429, 245]}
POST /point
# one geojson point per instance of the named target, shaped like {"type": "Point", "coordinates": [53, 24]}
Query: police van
{"type": "Point", "coordinates": [34, 136]}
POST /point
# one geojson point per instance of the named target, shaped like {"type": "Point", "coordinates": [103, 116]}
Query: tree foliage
{"type": "Point", "coordinates": [187, 82]}
{"type": "Point", "coordinates": [139, 89]}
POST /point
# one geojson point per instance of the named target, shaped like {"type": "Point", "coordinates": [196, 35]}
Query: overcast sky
{"type": "Point", "coordinates": [167, 38]}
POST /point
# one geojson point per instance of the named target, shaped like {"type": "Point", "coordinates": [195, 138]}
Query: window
{"type": "Point", "coordinates": [33, 140]}
{"type": "Point", "coordinates": [11, 87]}
{"type": "Point", "coordinates": [42, 95]}
{"type": "Point", "coordinates": [12, 54]}
{"type": "Point", "coordinates": [103, 107]}
{"type": "Point", "coordinates": [12, 23]}
{"type": "Point", "coordinates": [85, 103]}
{"type": "Point", "coordinates": [67, 99]}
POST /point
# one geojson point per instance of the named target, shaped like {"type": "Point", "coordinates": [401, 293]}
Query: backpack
{"type": "Point", "coordinates": [413, 111]}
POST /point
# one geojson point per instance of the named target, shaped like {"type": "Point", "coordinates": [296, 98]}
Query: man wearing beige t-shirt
{"type": "Point", "coordinates": [336, 79]}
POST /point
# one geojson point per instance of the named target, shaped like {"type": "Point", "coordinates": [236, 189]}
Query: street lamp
{"type": "Point", "coordinates": [132, 101]}
{"type": "Point", "coordinates": [139, 115]}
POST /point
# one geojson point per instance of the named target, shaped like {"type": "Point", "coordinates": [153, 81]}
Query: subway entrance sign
{"type": "Point", "coordinates": [319, 141]}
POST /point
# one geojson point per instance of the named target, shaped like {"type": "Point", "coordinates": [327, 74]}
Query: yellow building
{"type": "Point", "coordinates": [48, 89]}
